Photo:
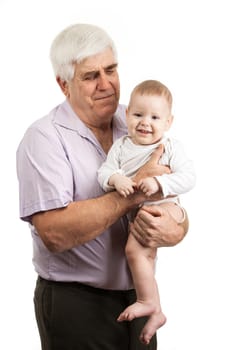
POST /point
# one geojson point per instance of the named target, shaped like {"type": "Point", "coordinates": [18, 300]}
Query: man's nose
{"type": "Point", "coordinates": [103, 81]}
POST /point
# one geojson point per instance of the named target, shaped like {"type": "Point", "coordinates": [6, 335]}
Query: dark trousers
{"type": "Point", "coordinates": [72, 316]}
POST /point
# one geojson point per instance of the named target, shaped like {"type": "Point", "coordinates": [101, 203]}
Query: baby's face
{"type": "Point", "coordinates": [148, 118]}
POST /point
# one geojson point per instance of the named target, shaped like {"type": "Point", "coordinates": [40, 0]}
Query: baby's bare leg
{"type": "Point", "coordinates": [175, 210]}
{"type": "Point", "coordinates": [141, 262]}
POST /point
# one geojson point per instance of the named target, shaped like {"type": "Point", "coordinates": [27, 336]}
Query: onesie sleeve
{"type": "Point", "coordinates": [110, 166]}
{"type": "Point", "coordinates": [182, 177]}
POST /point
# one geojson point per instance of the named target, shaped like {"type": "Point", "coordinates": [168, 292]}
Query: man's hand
{"type": "Point", "coordinates": [152, 167]}
{"type": "Point", "coordinates": [154, 227]}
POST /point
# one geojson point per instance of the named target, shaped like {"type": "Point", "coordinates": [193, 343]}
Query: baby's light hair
{"type": "Point", "coordinates": [74, 44]}
{"type": "Point", "coordinates": [153, 87]}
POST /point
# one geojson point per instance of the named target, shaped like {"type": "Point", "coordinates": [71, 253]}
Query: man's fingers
{"type": "Point", "coordinates": [154, 210]}
{"type": "Point", "coordinates": [137, 232]}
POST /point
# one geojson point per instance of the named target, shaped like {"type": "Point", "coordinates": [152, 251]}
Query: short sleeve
{"type": "Point", "coordinates": [44, 172]}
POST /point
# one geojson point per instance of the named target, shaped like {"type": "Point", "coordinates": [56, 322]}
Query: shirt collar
{"type": "Point", "coordinates": [67, 118]}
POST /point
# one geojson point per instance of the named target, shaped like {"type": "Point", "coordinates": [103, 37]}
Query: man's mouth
{"type": "Point", "coordinates": [103, 97]}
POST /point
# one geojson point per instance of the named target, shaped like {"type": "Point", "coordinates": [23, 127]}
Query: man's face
{"type": "Point", "coordinates": [95, 89]}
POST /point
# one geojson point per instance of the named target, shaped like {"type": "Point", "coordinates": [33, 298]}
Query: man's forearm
{"type": "Point", "coordinates": [82, 221]}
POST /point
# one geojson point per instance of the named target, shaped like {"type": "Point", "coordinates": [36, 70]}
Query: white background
{"type": "Point", "coordinates": [187, 45]}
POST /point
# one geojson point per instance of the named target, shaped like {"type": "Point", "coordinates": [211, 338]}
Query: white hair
{"type": "Point", "coordinates": [74, 44]}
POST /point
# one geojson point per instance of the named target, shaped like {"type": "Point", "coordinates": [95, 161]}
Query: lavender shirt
{"type": "Point", "coordinates": [57, 163]}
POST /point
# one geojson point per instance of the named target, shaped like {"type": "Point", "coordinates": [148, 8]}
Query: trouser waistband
{"type": "Point", "coordinates": [86, 287]}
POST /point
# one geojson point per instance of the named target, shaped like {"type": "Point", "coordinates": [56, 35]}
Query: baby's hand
{"type": "Point", "coordinates": [148, 186]}
{"type": "Point", "coordinates": [123, 184]}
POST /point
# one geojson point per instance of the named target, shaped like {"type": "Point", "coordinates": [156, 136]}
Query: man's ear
{"type": "Point", "coordinates": [63, 85]}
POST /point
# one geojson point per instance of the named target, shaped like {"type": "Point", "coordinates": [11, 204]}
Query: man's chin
{"type": "Point", "coordinates": [107, 109]}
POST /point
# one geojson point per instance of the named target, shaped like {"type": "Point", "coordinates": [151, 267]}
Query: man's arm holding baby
{"type": "Point", "coordinates": [163, 225]}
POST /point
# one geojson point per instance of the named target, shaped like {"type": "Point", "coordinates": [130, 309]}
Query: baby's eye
{"type": "Point", "coordinates": [137, 115]}
{"type": "Point", "coordinates": [155, 117]}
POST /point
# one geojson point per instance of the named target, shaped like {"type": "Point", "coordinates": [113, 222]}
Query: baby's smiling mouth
{"type": "Point", "coordinates": [143, 131]}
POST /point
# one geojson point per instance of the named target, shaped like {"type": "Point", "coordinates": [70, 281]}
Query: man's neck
{"type": "Point", "coordinates": [104, 135]}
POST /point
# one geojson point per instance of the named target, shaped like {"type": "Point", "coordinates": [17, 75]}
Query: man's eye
{"type": "Point", "coordinates": [89, 77]}
{"type": "Point", "coordinates": [110, 71]}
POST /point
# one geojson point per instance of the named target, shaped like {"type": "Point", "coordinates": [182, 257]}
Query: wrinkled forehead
{"type": "Point", "coordinates": [97, 62]}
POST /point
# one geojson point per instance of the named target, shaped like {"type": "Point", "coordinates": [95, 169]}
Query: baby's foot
{"type": "Point", "coordinates": [156, 320]}
{"type": "Point", "coordinates": [138, 309]}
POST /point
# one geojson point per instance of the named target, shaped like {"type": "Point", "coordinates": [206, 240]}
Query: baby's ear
{"type": "Point", "coordinates": [169, 121]}
{"type": "Point", "coordinates": [127, 113]}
